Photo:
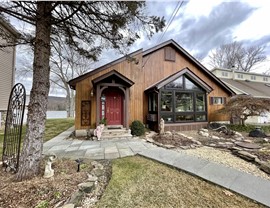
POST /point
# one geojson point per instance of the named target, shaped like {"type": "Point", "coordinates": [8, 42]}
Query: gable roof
{"type": "Point", "coordinates": [255, 89]}
{"type": "Point", "coordinates": [113, 74]}
{"type": "Point", "coordinates": [172, 43]}
{"type": "Point", "coordinates": [174, 76]}
{"type": "Point", "coordinates": [5, 24]}
{"type": "Point", "coordinates": [72, 82]}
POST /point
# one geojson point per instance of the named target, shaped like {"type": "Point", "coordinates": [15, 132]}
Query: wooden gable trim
{"type": "Point", "coordinates": [127, 81]}
{"type": "Point", "coordinates": [185, 71]}
{"type": "Point", "coordinates": [72, 83]}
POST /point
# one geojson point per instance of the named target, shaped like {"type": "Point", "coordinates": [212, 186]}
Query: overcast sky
{"type": "Point", "coordinates": [201, 26]}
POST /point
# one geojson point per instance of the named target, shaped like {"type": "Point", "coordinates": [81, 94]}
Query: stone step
{"type": "Point", "coordinates": [113, 133]}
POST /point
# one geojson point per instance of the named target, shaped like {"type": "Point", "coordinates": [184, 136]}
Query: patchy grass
{"type": "Point", "coordinates": [57, 126]}
{"type": "Point", "coordinates": [139, 182]}
{"type": "Point", "coordinates": [53, 128]}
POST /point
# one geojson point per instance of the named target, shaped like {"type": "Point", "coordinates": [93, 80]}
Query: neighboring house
{"type": "Point", "coordinates": [162, 82]}
{"type": "Point", "coordinates": [247, 83]}
{"type": "Point", "coordinates": [7, 65]}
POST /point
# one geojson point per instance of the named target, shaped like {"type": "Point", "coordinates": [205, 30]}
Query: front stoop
{"type": "Point", "coordinates": [115, 133]}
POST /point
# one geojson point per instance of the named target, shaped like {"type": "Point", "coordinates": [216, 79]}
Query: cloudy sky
{"type": "Point", "coordinates": [201, 26]}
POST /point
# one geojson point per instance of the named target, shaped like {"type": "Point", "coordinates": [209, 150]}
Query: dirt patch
{"type": "Point", "coordinates": [173, 139]}
{"type": "Point", "coordinates": [43, 192]}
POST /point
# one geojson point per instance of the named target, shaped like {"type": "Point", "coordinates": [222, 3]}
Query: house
{"type": "Point", "coordinates": [7, 65]}
{"type": "Point", "coordinates": [247, 83]}
{"type": "Point", "coordinates": [162, 82]}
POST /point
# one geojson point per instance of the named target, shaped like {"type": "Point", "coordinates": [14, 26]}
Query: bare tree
{"type": "Point", "coordinates": [100, 25]}
{"type": "Point", "coordinates": [240, 107]}
{"type": "Point", "coordinates": [67, 64]}
{"type": "Point", "coordinates": [236, 55]}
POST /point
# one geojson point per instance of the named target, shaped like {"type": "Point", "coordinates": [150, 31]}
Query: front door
{"type": "Point", "coordinates": [114, 107]}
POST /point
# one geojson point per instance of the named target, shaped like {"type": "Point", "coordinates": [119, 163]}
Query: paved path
{"type": "Point", "coordinates": [246, 184]}
{"type": "Point", "coordinates": [104, 149]}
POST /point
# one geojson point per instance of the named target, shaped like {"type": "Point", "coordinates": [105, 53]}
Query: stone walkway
{"type": "Point", "coordinates": [246, 184]}
{"type": "Point", "coordinates": [104, 149]}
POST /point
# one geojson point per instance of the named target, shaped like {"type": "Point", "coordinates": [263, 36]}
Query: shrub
{"type": "Point", "coordinates": [137, 128]}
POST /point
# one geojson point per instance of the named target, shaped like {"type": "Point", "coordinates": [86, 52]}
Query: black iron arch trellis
{"type": "Point", "coordinates": [13, 128]}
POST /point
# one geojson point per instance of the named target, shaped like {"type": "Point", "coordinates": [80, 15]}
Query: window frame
{"type": "Point", "coordinates": [171, 116]}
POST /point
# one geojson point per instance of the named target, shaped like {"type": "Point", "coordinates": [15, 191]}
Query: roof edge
{"type": "Point", "coordinates": [72, 82]}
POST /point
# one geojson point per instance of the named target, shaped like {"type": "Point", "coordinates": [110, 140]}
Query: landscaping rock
{"type": "Point", "coordinates": [238, 134]}
{"type": "Point", "coordinates": [215, 137]}
{"type": "Point", "coordinates": [203, 133]}
{"type": "Point", "coordinates": [248, 145]}
{"type": "Point", "coordinates": [97, 172]}
{"type": "Point", "coordinates": [266, 139]}
{"type": "Point", "coordinates": [204, 130]}
{"type": "Point", "coordinates": [86, 187]}
{"type": "Point", "coordinates": [68, 206]}
{"type": "Point", "coordinates": [246, 155]}
{"type": "Point", "coordinates": [257, 133]}
{"type": "Point", "coordinates": [265, 167]}
{"type": "Point", "coordinates": [92, 178]}
{"type": "Point", "coordinates": [168, 146]}
{"type": "Point", "coordinates": [76, 198]}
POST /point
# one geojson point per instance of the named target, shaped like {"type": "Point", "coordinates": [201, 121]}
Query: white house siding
{"type": "Point", "coordinates": [7, 57]}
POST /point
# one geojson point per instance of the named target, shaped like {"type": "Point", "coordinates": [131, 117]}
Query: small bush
{"type": "Point", "coordinates": [137, 128]}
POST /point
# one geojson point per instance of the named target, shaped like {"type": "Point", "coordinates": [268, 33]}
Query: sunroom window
{"type": "Point", "coordinates": [182, 100]}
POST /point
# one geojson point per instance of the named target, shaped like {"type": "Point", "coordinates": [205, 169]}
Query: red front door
{"type": "Point", "coordinates": [114, 107]}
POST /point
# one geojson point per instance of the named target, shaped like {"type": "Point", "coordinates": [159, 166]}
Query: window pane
{"type": "Point", "coordinates": [200, 117]}
{"type": "Point", "coordinates": [155, 101]}
{"type": "Point", "coordinates": [178, 83]}
{"type": "Point", "coordinates": [200, 102]}
{"type": "Point", "coordinates": [181, 118]}
{"type": "Point", "coordinates": [167, 118]}
{"type": "Point", "coordinates": [166, 101]}
{"type": "Point", "coordinates": [190, 85]}
{"type": "Point", "coordinates": [183, 102]}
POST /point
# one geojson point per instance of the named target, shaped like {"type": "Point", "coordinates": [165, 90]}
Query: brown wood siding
{"type": "Point", "coordinates": [128, 69]}
{"type": "Point", "coordinates": [156, 68]}
{"type": "Point", "coordinates": [150, 69]}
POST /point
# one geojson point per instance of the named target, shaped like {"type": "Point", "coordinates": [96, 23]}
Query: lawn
{"type": "Point", "coordinates": [53, 128]}
{"type": "Point", "coordinates": [139, 182]}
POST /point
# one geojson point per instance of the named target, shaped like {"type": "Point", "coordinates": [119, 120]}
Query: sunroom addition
{"type": "Point", "coordinates": [179, 98]}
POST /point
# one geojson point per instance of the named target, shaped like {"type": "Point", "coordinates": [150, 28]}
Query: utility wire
{"type": "Point", "coordinates": [175, 11]}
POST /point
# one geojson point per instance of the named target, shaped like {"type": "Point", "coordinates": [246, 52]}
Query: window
{"type": "Point", "coordinates": [166, 101]}
{"type": "Point", "coordinates": [265, 79]}
{"type": "Point", "coordinates": [217, 100]}
{"type": "Point", "coordinates": [153, 102]}
{"type": "Point", "coordinates": [253, 77]}
{"type": "Point", "coordinates": [224, 74]}
{"type": "Point", "coordinates": [200, 102]}
{"type": "Point", "coordinates": [240, 76]}
{"type": "Point", "coordinates": [178, 83]}
{"type": "Point", "coordinates": [169, 54]}
{"type": "Point", "coordinates": [182, 100]}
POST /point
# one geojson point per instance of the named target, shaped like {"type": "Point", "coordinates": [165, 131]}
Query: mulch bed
{"type": "Point", "coordinates": [174, 139]}
{"type": "Point", "coordinates": [41, 191]}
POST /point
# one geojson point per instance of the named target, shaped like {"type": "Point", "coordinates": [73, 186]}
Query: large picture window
{"type": "Point", "coordinates": [182, 100]}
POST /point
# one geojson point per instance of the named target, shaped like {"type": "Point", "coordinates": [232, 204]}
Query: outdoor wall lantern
{"type": "Point", "coordinates": [92, 93]}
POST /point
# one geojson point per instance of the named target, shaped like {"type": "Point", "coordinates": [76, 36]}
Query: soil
{"type": "Point", "coordinates": [175, 140]}
{"type": "Point", "coordinates": [40, 191]}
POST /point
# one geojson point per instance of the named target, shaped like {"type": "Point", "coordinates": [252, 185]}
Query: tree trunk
{"type": "Point", "coordinates": [70, 103]}
{"type": "Point", "coordinates": [33, 143]}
